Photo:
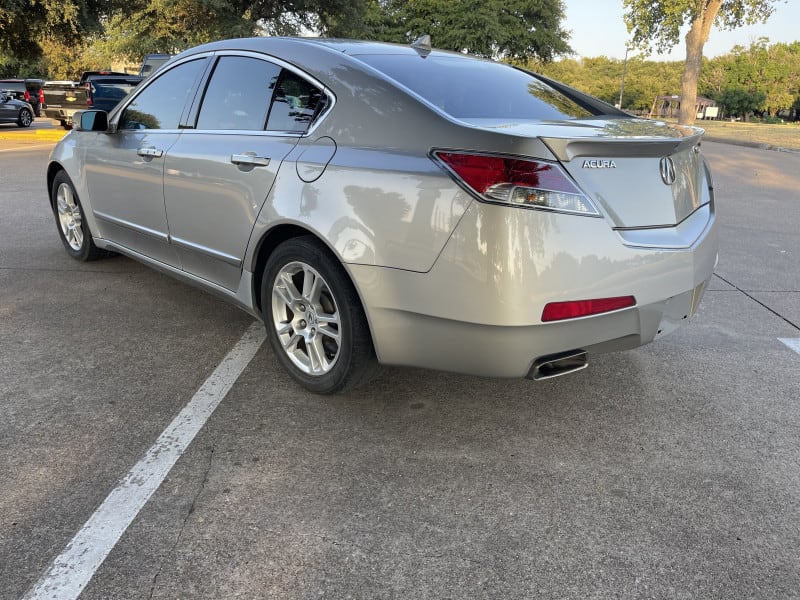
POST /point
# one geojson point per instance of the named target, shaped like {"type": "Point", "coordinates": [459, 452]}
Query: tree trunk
{"type": "Point", "coordinates": [696, 38]}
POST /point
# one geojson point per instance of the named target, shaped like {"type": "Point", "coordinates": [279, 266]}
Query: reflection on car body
{"type": "Point", "coordinates": [372, 203]}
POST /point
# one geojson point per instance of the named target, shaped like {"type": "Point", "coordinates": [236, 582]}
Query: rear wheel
{"type": "Point", "coordinates": [72, 227]}
{"type": "Point", "coordinates": [314, 319]}
{"type": "Point", "coordinates": [25, 118]}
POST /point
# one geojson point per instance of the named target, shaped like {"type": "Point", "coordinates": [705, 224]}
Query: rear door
{"type": "Point", "coordinates": [220, 171]}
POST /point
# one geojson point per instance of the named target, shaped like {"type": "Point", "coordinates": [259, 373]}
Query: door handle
{"type": "Point", "coordinates": [250, 159]}
{"type": "Point", "coordinates": [150, 152]}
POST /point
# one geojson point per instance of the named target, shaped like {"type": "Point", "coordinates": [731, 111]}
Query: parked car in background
{"type": "Point", "coordinates": [377, 203]}
{"type": "Point", "coordinates": [64, 99]}
{"type": "Point", "coordinates": [151, 62]}
{"type": "Point", "coordinates": [15, 111]}
{"type": "Point", "coordinates": [27, 90]}
{"type": "Point", "coordinates": [96, 89]}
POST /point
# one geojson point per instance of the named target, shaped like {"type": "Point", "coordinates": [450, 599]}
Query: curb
{"type": "Point", "coordinates": [40, 135]}
{"type": "Point", "coordinates": [760, 146]}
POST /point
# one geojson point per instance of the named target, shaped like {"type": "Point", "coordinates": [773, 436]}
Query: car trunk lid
{"type": "Point", "coordinates": [642, 173]}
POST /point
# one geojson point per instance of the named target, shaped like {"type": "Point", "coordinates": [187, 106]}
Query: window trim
{"type": "Point", "coordinates": [192, 115]}
{"type": "Point", "coordinates": [116, 113]}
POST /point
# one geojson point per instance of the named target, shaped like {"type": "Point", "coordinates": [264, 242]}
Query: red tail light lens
{"type": "Point", "coordinates": [27, 96]}
{"type": "Point", "coordinates": [41, 96]}
{"type": "Point", "coordinates": [559, 311]}
{"type": "Point", "coordinates": [516, 181]}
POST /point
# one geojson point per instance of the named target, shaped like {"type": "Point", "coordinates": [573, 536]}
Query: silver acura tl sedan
{"type": "Point", "coordinates": [384, 204]}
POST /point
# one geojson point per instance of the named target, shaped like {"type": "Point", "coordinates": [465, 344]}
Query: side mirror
{"type": "Point", "coordinates": [91, 120]}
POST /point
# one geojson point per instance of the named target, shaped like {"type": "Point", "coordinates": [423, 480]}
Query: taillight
{"type": "Point", "coordinates": [27, 96]}
{"type": "Point", "coordinates": [517, 181]}
{"type": "Point", "coordinates": [41, 96]}
{"type": "Point", "coordinates": [559, 311]}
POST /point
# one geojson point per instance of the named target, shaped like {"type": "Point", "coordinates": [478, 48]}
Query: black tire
{"type": "Point", "coordinates": [328, 315]}
{"type": "Point", "coordinates": [25, 118]}
{"type": "Point", "coordinates": [72, 227]}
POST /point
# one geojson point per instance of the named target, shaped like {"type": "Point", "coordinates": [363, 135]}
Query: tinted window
{"type": "Point", "coordinates": [238, 95]}
{"type": "Point", "coordinates": [161, 103]}
{"type": "Point", "coordinates": [467, 88]}
{"type": "Point", "coordinates": [296, 104]}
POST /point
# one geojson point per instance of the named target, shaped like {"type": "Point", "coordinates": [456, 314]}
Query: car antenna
{"type": "Point", "coordinates": [422, 45]}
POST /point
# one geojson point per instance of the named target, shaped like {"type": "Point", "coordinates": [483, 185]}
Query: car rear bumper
{"type": "Point", "coordinates": [60, 114]}
{"type": "Point", "coordinates": [478, 310]}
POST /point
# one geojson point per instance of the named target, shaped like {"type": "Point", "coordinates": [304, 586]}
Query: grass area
{"type": "Point", "coordinates": [783, 136]}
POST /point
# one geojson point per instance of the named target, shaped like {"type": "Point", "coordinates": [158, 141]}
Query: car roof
{"type": "Point", "coordinates": [341, 46]}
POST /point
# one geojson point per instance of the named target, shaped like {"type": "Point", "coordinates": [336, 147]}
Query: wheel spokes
{"type": "Point", "coordinates": [69, 217]}
{"type": "Point", "coordinates": [305, 318]}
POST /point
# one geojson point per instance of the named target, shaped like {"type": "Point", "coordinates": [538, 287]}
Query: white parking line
{"type": "Point", "coordinates": [24, 148]}
{"type": "Point", "coordinates": [71, 571]}
{"type": "Point", "coordinates": [793, 343]}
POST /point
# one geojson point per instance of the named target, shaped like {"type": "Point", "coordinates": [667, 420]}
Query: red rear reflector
{"type": "Point", "coordinates": [558, 311]}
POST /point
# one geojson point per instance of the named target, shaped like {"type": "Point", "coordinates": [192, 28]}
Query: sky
{"type": "Point", "coordinates": [598, 29]}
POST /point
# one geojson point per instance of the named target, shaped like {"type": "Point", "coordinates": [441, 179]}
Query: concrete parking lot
{"type": "Point", "coordinates": [671, 471]}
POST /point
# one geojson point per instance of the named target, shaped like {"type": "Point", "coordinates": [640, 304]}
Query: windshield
{"type": "Point", "coordinates": [467, 88]}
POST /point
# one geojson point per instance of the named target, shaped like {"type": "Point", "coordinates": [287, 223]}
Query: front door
{"type": "Point", "coordinates": [125, 169]}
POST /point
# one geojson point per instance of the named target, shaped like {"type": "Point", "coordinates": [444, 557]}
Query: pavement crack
{"type": "Point", "coordinates": [757, 301]}
{"type": "Point", "coordinates": [189, 513]}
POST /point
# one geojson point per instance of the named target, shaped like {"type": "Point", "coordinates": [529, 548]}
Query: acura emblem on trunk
{"type": "Point", "coordinates": [667, 170]}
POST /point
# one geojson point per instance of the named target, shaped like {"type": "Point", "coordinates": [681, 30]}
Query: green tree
{"type": "Point", "coordinates": [507, 29]}
{"type": "Point", "coordinates": [739, 102]}
{"type": "Point", "coordinates": [660, 21]}
{"type": "Point", "coordinates": [24, 23]}
{"type": "Point", "coordinates": [769, 73]}
{"type": "Point", "coordinates": [602, 77]}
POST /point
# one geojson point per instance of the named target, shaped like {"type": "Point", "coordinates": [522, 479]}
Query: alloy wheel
{"type": "Point", "coordinates": [69, 217]}
{"type": "Point", "coordinates": [306, 318]}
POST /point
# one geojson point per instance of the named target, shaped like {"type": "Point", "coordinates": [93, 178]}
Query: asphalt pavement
{"type": "Point", "coordinates": [670, 471]}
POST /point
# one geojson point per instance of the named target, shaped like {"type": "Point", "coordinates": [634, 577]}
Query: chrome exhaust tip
{"type": "Point", "coordinates": [556, 365]}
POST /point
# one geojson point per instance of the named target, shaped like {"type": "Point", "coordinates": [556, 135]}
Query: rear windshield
{"type": "Point", "coordinates": [476, 89]}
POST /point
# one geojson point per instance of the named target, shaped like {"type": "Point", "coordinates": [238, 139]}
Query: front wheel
{"type": "Point", "coordinates": [315, 322]}
{"type": "Point", "coordinates": [25, 118]}
{"type": "Point", "coordinates": [72, 227]}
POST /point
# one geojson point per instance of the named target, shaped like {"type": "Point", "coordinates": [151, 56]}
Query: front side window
{"type": "Point", "coordinates": [161, 103]}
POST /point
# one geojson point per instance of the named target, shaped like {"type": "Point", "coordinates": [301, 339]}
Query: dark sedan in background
{"type": "Point", "coordinates": [27, 90]}
{"type": "Point", "coordinates": [15, 111]}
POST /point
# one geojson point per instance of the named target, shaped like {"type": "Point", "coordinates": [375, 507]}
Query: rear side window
{"type": "Point", "coordinates": [469, 88]}
{"type": "Point", "coordinates": [238, 94]}
{"type": "Point", "coordinates": [296, 104]}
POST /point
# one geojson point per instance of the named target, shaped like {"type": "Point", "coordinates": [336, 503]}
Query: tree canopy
{"type": "Point", "coordinates": [509, 29]}
{"type": "Point", "coordinates": [659, 22]}
{"type": "Point", "coordinates": [66, 35]}
{"type": "Point", "coordinates": [762, 79]}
